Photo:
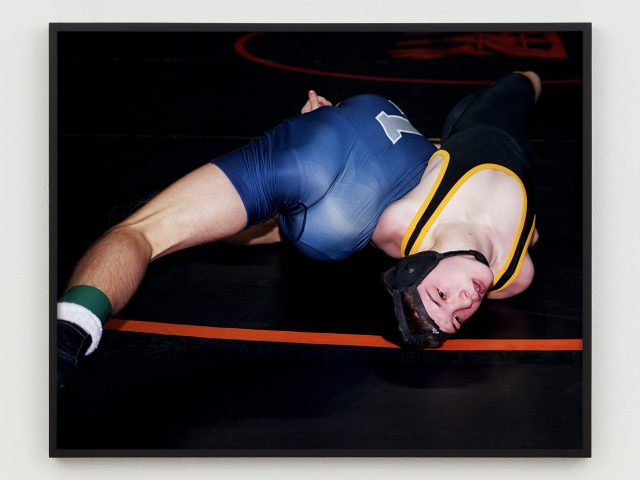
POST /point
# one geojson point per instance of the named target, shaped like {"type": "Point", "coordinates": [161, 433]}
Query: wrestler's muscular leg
{"type": "Point", "coordinates": [201, 207]}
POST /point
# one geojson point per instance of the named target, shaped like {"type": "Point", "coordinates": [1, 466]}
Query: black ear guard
{"type": "Point", "coordinates": [416, 327]}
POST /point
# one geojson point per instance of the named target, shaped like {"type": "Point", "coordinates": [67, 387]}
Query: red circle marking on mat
{"type": "Point", "coordinates": [241, 49]}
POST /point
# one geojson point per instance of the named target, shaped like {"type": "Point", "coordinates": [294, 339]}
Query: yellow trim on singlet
{"type": "Point", "coordinates": [412, 226]}
{"type": "Point", "coordinates": [445, 200]}
{"type": "Point", "coordinates": [521, 260]}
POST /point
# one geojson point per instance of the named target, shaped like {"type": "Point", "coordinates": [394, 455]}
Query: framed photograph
{"type": "Point", "coordinates": [281, 337]}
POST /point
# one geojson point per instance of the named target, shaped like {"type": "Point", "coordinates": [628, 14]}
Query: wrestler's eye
{"type": "Point", "coordinates": [440, 294]}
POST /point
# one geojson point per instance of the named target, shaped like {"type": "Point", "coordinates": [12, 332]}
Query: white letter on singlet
{"type": "Point", "coordinates": [394, 125]}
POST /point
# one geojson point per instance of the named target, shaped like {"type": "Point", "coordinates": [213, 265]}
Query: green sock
{"type": "Point", "coordinates": [91, 298]}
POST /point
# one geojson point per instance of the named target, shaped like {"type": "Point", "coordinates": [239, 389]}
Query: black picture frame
{"type": "Point", "coordinates": [62, 35]}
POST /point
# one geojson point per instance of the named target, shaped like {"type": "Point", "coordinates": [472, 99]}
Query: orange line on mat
{"type": "Point", "coordinates": [315, 338]}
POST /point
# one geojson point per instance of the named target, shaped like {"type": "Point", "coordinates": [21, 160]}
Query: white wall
{"type": "Point", "coordinates": [24, 244]}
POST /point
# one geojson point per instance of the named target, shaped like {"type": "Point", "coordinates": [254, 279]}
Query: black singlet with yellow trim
{"type": "Point", "coordinates": [450, 178]}
{"type": "Point", "coordinates": [481, 135]}
{"type": "Point", "coordinates": [466, 151]}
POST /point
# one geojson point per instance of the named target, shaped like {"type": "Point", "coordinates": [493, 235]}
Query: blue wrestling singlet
{"type": "Point", "coordinates": [330, 173]}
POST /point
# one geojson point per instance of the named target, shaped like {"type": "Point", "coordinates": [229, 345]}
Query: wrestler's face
{"type": "Point", "coordinates": [454, 289]}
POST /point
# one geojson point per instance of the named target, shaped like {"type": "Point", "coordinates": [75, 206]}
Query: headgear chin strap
{"type": "Point", "coordinates": [417, 328]}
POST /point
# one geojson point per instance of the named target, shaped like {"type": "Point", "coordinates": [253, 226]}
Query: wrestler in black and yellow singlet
{"type": "Point", "coordinates": [485, 131]}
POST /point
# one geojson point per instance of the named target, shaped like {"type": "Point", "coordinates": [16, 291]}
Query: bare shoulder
{"type": "Point", "coordinates": [521, 282]}
{"type": "Point", "coordinates": [392, 225]}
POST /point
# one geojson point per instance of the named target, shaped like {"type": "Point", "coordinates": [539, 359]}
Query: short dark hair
{"type": "Point", "coordinates": [415, 323]}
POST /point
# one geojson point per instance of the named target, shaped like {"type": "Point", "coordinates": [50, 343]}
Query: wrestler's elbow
{"type": "Point", "coordinates": [535, 238]}
{"type": "Point", "coordinates": [520, 284]}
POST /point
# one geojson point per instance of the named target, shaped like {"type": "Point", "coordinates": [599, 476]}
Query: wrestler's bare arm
{"type": "Point", "coordinates": [521, 282]}
{"type": "Point", "coordinates": [260, 234]}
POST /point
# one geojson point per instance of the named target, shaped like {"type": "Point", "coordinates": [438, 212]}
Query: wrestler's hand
{"type": "Point", "coordinates": [315, 101]}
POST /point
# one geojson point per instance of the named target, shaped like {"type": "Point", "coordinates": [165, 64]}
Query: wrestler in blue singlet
{"type": "Point", "coordinates": [330, 173]}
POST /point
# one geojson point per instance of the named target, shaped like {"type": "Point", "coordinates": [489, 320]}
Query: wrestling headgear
{"type": "Point", "coordinates": [416, 327]}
